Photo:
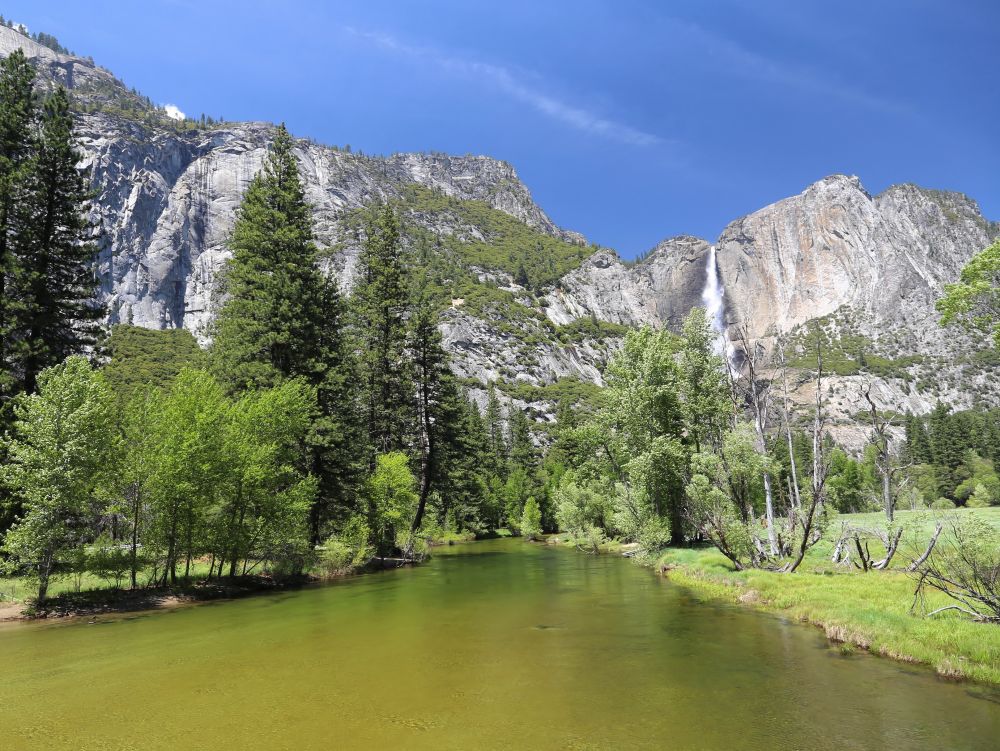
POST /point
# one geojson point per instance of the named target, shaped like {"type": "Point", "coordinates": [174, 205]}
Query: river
{"type": "Point", "coordinates": [497, 644]}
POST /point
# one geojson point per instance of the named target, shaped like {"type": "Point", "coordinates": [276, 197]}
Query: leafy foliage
{"type": "Point", "coordinates": [140, 357]}
{"type": "Point", "coordinates": [974, 301]}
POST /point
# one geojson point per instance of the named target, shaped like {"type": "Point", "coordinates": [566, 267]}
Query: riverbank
{"type": "Point", "coordinates": [859, 611]}
{"type": "Point", "coordinates": [97, 598]}
{"type": "Point", "coordinates": [104, 601]}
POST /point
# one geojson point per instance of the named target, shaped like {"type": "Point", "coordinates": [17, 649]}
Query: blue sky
{"type": "Point", "coordinates": [630, 120]}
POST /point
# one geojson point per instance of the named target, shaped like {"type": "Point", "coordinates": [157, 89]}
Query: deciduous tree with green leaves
{"type": "Point", "coordinates": [974, 300]}
{"type": "Point", "coordinates": [56, 458]}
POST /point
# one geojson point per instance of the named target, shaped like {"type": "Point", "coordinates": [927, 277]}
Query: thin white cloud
{"type": "Point", "coordinates": [741, 61]}
{"type": "Point", "coordinates": [507, 81]}
{"type": "Point", "coordinates": [173, 112]}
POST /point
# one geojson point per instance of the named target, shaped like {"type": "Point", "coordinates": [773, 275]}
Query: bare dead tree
{"type": "Point", "coordinates": [887, 468]}
{"type": "Point", "coordinates": [965, 566]}
{"type": "Point", "coordinates": [809, 518]}
{"type": "Point", "coordinates": [917, 562]}
{"type": "Point", "coordinates": [793, 478]}
{"type": "Point", "coordinates": [756, 389]}
{"type": "Point", "coordinates": [890, 543]}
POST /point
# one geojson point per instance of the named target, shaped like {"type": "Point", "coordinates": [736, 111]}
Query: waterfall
{"type": "Point", "coordinates": [715, 306]}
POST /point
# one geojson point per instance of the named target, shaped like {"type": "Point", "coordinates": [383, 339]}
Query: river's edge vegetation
{"type": "Point", "coordinates": [877, 614]}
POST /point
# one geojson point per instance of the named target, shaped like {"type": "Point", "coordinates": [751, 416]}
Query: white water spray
{"type": "Point", "coordinates": [715, 306]}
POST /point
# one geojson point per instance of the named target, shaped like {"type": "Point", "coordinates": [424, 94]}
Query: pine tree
{"type": "Point", "coordinates": [283, 319]}
{"type": "Point", "coordinates": [523, 452]}
{"type": "Point", "coordinates": [59, 316]}
{"type": "Point", "coordinates": [381, 303]}
{"type": "Point", "coordinates": [17, 118]}
{"type": "Point", "coordinates": [438, 408]}
{"type": "Point", "coordinates": [497, 441]}
{"type": "Point", "coordinates": [464, 489]}
{"type": "Point", "coordinates": [268, 328]}
{"type": "Point", "coordinates": [918, 446]}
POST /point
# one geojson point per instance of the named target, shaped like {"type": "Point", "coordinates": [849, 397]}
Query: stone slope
{"type": "Point", "coordinates": [861, 271]}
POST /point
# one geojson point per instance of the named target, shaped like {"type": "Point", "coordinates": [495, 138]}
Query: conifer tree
{"type": "Point", "coordinates": [438, 408]}
{"type": "Point", "coordinates": [59, 315]}
{"type": "Point", "coordinates": [17, 117]}
{"type": "Point", "coordinates": [268, 328]}
{"type": "Point", "coordinates": [496, 439]}
{"type": "Point", "coordinates": [523, 453]}
{"type": "Point", "coordinates": [381, 303]}
{"type": "Point", "coordinates": [283, 319]}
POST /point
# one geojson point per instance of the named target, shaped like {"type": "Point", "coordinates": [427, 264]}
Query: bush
{"type": "Point", "coordinates": [654, 534]}
{"type": "Point", "coordinates": [531, 520]}
{"type": "Point", "coordinates": [417, 545]}
{"type": "Point", "coordinates": [347, 550]}
{"type": "Point", "coordinates": [291, 559]}
{"type": "Point", "coordinates": [110, 561]}
{"type": "Point", "coordinates": [577, 507]}
{"type": "Point", "coordinates": [980, 497]}
{"type": "Point", "coordinates": [942, 504]}
{"type": "Point", "coordinates": [965, 565]}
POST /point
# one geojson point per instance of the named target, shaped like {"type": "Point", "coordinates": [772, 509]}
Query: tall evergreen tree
{"type": "Point", "coordinates": [17, 118]}
{"type": "Point", "coordinates": [381, 303]}
{"type": "Point", "coordinates": [496, 438]}
{"type": "Point", "coordinates": [268, 329]}
{"type": "Point", "coordinates": [59, 315]}
{"type": "Point", "coordinates": [283, 319]}
{"type": "Point", "coordinates": [439, 410]}
{"type": "Point", "coordinates": [523, 452]}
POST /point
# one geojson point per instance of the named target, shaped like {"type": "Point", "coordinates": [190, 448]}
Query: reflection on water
{"type": "Point", "coordinates": [497, 644]}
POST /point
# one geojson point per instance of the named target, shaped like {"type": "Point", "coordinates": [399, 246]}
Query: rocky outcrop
{"type": "Point", "coordinates": [865, 267]}
{"type": "Point", "coordinates": [659, 290]}
{"type": "Point", "coordinates": [835, 246]}
{"type": "Point", "coordinates": [166, 203]}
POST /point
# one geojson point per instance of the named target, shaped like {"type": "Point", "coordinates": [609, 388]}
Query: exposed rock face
{"type": "Point", "coordinates": [869, 267]}
{"type": "Point", "coordinates": [659, 290]}
{"type": "Point", "coordinates": [834, 245]}
{"type": "Point", "coordinates": [167, 203]}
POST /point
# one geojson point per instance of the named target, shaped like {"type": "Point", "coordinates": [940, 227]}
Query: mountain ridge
{"type": "Point", "coordinates": [831, 261]}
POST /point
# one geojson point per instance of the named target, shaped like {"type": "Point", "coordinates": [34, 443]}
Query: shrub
{"type": "Point", "coordinates": [531, 520]}
{"type": "Point", "coordinates": [942, 504]}
{"type": "Point", "coordinates": [654, 534]}
{"type": "Point", "coordinates": [110, 561]}
{"type": "Point", "coordinates": [347, 550]}
{"type": "Point", "coordinates": [415, 544]}
{"type": "Point", "coordinates": [980, 497]}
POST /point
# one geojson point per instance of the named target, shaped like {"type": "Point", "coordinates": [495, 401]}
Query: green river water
{"type": "Point", "coordinates": [496, 644]}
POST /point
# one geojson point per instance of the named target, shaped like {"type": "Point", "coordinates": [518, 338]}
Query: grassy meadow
{"type": "Point", "coordinates": [874, 611]}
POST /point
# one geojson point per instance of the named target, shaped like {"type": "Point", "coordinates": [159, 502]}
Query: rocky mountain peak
{"type": "Point", "coordinates": [834, 256]}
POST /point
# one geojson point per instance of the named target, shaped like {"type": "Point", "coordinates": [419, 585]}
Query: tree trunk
{"type": "Point", "coordinates": [427, 455]}
{"type": "Point", "coordinates": [927, 553]}
{"type": "Point", "coordinates": [134, 556]}
{"type": "Point", "coordinates": [887, 489]}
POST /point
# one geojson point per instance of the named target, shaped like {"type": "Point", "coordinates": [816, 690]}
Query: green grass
{"type": "Point", "coordinates": [23, 589]}
{"type": "Point", "coordinates": [869, 611]}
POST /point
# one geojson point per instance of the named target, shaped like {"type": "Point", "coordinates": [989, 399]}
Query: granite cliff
{"type": "Point", "coordinates": [533, 306]}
